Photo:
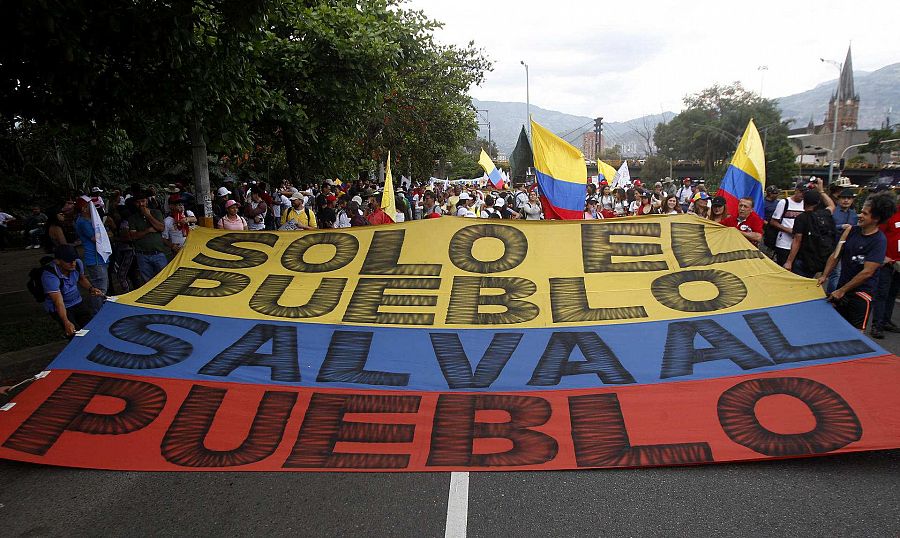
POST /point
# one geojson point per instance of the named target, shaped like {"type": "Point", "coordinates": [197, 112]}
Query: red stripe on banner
{"type": "Point", "coordinates": [82, 419]}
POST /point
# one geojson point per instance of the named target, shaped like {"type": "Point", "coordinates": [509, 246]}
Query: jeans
{"type": "Point", "coordinates": [99, 277]}
{"type": "Point", "coordinates": [150, 264]}
{"type": "Point", "coordinates": [35, 236]}
{"type": "Point", "coordinates": [833, 278]}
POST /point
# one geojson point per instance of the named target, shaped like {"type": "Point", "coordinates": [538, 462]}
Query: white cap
{"type": "Point", "coordinates": [356, 199]}
{"type": "Point", "coordinates": [499, 202]}
{"type": "Point", "coordinates": [96, 189]}
{"type": "Point", "coordinates": [223, 191]}
{"type": "Point", "coordinates": [464, 196]}
{"type": "Point", "coordinates": [298, 196]}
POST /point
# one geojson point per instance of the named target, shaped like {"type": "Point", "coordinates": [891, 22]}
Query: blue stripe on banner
{"type": "Point", "coordinates": [125, 339]}
{"type": "Point", "coordinates": [743, 185]}
{"type": "Point", "coordinates": [562, 194]}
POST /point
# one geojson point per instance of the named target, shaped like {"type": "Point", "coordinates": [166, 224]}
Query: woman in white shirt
{"type": "Point", "coordinates": [532, 207]}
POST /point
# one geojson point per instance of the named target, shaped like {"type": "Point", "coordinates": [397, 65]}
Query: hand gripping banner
{"type": "Point", "coordinates": [456, 344]}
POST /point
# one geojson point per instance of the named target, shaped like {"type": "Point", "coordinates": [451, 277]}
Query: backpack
{"type": "Point", "coordinates": [821, 236]}
{"type": "Point", "coordinates": [34, 284]}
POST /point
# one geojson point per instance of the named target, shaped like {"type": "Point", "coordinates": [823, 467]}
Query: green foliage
{"type": "Point", "coordinates": [877, 146]}
{"type": "Point", "coordinates": [712, 123]}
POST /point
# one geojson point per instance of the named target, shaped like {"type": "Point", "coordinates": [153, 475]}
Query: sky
{"type": "Point", "coordinates": [622, 60]}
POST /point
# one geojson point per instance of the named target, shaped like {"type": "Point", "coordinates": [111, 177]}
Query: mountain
{"type": "Point", "coordinates": [879, 91]}
{"type": "Point", "coordinates": [507, 120]}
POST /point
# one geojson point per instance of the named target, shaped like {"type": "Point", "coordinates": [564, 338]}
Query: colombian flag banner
{"type": "Point", "coordinates": [452, 344]}
{"type": "Point", "coordinates": [561, 174]}
{"type": "Point", "coordinates": [491, 170]}
{"type": "Point", "coordinates": [746, 175]}
{"type": "Point", "coordinates": [605, 171]}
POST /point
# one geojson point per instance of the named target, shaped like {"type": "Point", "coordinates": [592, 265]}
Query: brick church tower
{"type": "Point", "coordinates": [848, 111]}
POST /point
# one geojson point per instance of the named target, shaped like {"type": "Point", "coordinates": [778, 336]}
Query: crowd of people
{"type": "Point", "coordinates": [814, 233]}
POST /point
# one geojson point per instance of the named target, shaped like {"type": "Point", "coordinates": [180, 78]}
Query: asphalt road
{"type": "Point", "coordinates": [846, 495]}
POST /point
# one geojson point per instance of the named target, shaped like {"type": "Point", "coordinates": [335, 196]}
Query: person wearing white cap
{"type": "Point", "coordinates": [222, 195]}
{"type": "Point", "coordinates": [464, 205]}
{"type": "Point", "coordinates": [97, 200]}
{"type": "Point", "coordinates": [301, 216]}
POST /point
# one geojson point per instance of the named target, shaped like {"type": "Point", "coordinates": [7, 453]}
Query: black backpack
{"type": "Point", "coordinates": [770, 234]}
{"type": "Point", "coordinates": [821, 236]}
{"type": "Point", "coordinates": [35, 285]}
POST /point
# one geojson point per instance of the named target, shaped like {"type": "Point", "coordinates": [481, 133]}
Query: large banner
{"type": "Point", "coordinates": [461, 344]}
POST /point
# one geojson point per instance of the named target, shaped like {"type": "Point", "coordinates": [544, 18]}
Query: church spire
{"type": "Point", "coordinates": [846, 83]}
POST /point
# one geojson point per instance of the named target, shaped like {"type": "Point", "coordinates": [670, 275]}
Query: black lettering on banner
{"type": "Point", "coordinates": [282, 362]}
{"type": "Point", "coordinates": [455, 363]}
{"type": "Point", "coordinates": [455, 430]}
{"type": "Point", "coordinates": [836, 424]}
{"type": "Point", "coordinates": [597, 249]}
{"type": "Point", "coordinates": [184, 441]}
{"type": "Point", "coordinates": [466, 298]}
{"type": "Point", "coordinates": [248, 257]}
{"type": "Point", "coordinates": [324, 299]}
{"type": "Point", "coordinates": [369, 296]}
{"type": "Point", "coordinates": [599, 360]}
{"type": "Point", "coordinates": [691, 248]}
{"type": "Point", "coordinates": [64, 410]}
{"type": "Point", "coordinates": [168, 349]}
{"type": "Point", "coordinates": [346, 246]}
{"type": "Point", "coordinates": [569, 303]}
{"type": "Point", "coordinates": [345, 362]}
{"type": "Point", "coordinates": [383, 257]}
{"type": "Point", "coordinates": [778, 347]}
{"type": "Point", "coordinates": [666, 290]}
{"type": "Point", "coordinates": [515, 248]}
{"type": "Point", "coordinates": [324, 426]}
{"type": "Point", "coordinates": [680, 355]}
{"type": "Point", "coordinates": [601, 438]}
{"type": "Point", "coordinates": [181, 282]}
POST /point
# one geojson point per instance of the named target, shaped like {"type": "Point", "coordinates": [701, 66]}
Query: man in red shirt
{"type": "Point", "coordinates": [377, 215]}
{"type": "Point", "coordinates": [747, 222]}
{"type": "Point", "coordinates": [888, 279]}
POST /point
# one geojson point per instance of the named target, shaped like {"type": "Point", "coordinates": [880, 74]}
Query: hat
{"type": "Point", "coordinates": [772, 189]}
{"type": "Point", "coordinates": [329, 181]}
{"type": "Point", "coordinates": [499, 202]}
{"type": "Point", "coordinates": [230, 203]}
{"type": "Point", "coordinates": [175, 199]}
{"type": "Point", "coordinates": [171, 188]}
{"type": "Point", "coordinates": [718, 201]}
{"type": "Point", "coordinates": [65, 253]}
{"type": "Point", "coordinates": [356, 199]}
{"type": "Point", "coordinates": [843, 181]}
{"type": "Point", "coordinates": [298, 196]}
{"type": "Point", "coordinates": [464, 196]}
{"type": "Point", "coordinates": [701, 196]}
{"type": "Point", "coordinates": [637, 183]}
{"type": "Point", "coordinates": [812, 197]}
{"type": "Point", "coordinates": [686, 180]}
{"type": "Point", "coordinates": [592, 200]}
{"type": "Point", "coordinates": [658, 184]}
{"type": "Point", "coordinates": [847, 193]}
{"type": "Point", "coordinates": [223, 191]}
{"type": "Point", "coordinates": [330, 198]}
{"type": "Point", "coordinates": [96, 189]}
{"type": "Point", "coordinates": [603, 182]}
{"type": "Point", "coordinates": [801, 186]}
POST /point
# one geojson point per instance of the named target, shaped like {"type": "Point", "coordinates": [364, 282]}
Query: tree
{"type": "Point", "coordinates": [877, 146]}
{"type": "Point", "coordinates": [712, 123]}
{"type": "Point", "coordinates": [655, 168]}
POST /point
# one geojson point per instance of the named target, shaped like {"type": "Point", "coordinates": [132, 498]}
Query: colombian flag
{"type": "Point", "coordinates": [746, 175]}
{"type": "Point", "coordinates": [605, 171]}
{"type": "Point", "coordinates": [491, 170]}
{"type": "Point", "coordinates": [561, 174]}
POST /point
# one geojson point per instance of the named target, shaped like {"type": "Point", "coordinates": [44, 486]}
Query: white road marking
{"type": "Point", "coordinates": [457, 506]}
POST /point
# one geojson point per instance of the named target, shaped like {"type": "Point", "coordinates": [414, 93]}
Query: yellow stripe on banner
{"type": "Point", "coordinates": [461, 273]}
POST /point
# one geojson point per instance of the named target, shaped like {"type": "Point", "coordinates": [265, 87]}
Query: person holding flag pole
{"type": "Point", "coordinates": [746, 175]}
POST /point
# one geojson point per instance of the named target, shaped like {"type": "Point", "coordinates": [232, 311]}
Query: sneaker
{"type": "Point", "coordinates": [877, 333]}
{"type": "Point", "coordinates": [27, 247]}
{"type": "Point", "coordinates": [890, 327]}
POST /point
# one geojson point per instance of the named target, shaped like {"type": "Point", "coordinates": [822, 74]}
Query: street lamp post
{"type": "Point", "coordinates": [837, 107]}
{"type": "Point", "coordinates": [527, 99]}
{"type": "Point", "coordinates": [762, 73]}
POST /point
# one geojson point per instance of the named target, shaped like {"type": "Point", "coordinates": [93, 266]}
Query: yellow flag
{"type": "Point", "coordinates": [388, 202]}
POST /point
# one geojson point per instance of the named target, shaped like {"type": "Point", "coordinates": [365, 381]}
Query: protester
{"type": "Point", "coordinates": [718, 210]}
{"type": "Point", "coordinates": [298, 216]}
{"type": "Point", "coordinates": [590, 210]}
{"type": "Point", "coordinates": [145, 227]}
{"type": "Point", "coordinates": [5, 219]}
{"type": "Point", "coordinates": [685, 194]}
{"type": "Point", "coordinates": [860, 252]}
{"type": "Point", "coordinates": [56, 233]}
{"type": "Point", "coordinates": [814, 236]}
{"type": "Point", "coordinates": [95, 265]}
{"type": "Point", "coordinates": [607, 200]}
{"type": "Point", "coordinates": [34, 227]}
{"type": "Point", "coordinates": [218, 204]}
{"type": "Point", "coordinates": [376, 214]}
{"type": "Point", "coordinates": [782, 220]}
{"type": "Point", "coordinates": [699, 205]}
{"type": "Point", "coordinates": [747, 221]}
{"type": "Point", "coordinates": [60, 280]}
{"type": "Point", "coordinates": [670, 206]}
{"type": "Point", "coordinates": [464, 205]}
{"type": "Point", "coordinates": [888, 279]}
{"type": "Point", "coordinates": [178, 225]}
{"type": "Point", "coordinates": [232, 220]}
{"type": "Point", "coordinates": [532, 207]}
{"type": "Point", "coordinates": [255, 210]}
